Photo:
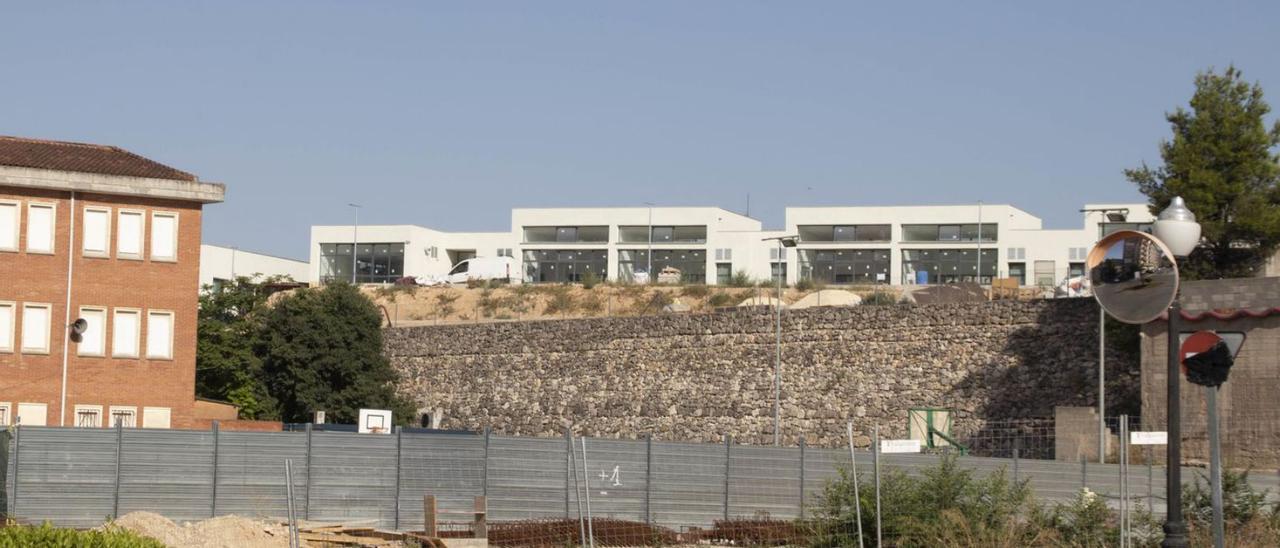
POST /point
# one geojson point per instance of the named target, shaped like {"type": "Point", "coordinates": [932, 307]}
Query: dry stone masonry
{"type": "Point", "coordinates": [702, 376]}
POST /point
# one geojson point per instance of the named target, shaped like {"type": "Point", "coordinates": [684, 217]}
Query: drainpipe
{"type": "Point", "coordinates": [66, 341]}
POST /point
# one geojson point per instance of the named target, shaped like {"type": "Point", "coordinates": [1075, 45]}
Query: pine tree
{"type": "Point", "coordinates": [1221, 160]}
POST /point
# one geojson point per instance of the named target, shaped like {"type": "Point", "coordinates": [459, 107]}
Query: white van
{"type": "Point", "coordinates": [483, 268]}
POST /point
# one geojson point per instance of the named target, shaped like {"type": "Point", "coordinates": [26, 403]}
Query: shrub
{"type": "Point", "coordinates": [590, 280]}
{"type": "Point", "coordinates": [881, 298]}
{"type": "Point", "coordinates": [696, 291]}
{"type": "Point", "coordinates": [652, 303]}
{"type": "Point", "coordinates": [48, 535]}
{"type": "Point", "coordinates": [444, 303]}
{"type": "Point", "coordinates": [592, 304]}
{"type": "Point", "coordinates": [475, 283]}
{"type": "Point", "coordinates": [1241, 503]}
{"type": "Point", "coordinates": [722, 298]}
{"type": "Point", "coordinates": [561, 301]}
{"type": "Point", "coordinates": [806, 285]}
{"type": "Point", "coordinates": [740, 279]}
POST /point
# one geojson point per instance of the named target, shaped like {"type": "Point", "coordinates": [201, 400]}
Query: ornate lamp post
{"type": "Point", "coordinates": [1177, 228]}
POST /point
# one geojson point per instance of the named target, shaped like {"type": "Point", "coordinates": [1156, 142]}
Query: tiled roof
{"type": "Point", "coordinates": [83, 157]}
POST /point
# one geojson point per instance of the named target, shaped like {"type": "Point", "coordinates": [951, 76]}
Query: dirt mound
{"type": "Point", "coordinates": [219, 532]}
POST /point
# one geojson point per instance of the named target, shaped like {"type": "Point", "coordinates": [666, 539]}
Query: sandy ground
{"type": "Point", "coordinates": [219, 532]}
{"type": "Point", "coordinates": [408, 305]}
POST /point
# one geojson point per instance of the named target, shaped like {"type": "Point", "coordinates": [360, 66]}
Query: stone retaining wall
{"type": "Point", "coordinates": [701, 376]}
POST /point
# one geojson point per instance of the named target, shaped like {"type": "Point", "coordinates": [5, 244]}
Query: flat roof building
{"type": "Point", "coordinates": [903, 245]}
{"type": "Point", "coordinates": [97, 233]}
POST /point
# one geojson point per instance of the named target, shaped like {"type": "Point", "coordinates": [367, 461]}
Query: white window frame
{"type": "Point", "coordinates": [84, 233]}
{"type": "Point", "coordinates": [172, 327]}
{"type": "Point", "coordinates": [102, 352]}
{"type": "Point", "coordinates": [48, 329]}
{"type": "Point", "coordinates": [152, 247]}
{"type": "Point", "coordinates": [168, 415]}
{"type": "Point", "coordinates": [43, 407]}
{"type": "Point", "coordinates": [13, 326]}
{"type": "Point", "coordinates": [133, 412]}
{"type": "Point", "coordinates": [142, 233]}
{"type": "Point", "coordinates": [53, 228]}
{"type": "Point", "coordinates": [17, 224]}
{"type": "Point", "coordinates": [6, 413]}
{"type": "Point", "coordinates": [97, 409]}
{"type": "Point", "coordinates": [137, 332]}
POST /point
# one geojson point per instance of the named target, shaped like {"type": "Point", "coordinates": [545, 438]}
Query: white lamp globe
{"type": "Point", "coordinates": [1177, 228]}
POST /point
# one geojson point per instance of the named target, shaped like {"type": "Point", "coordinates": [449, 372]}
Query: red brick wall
{"type": "Point", "coordinates": [239, 425]}
{"type": "Point", "coordinates": [107, 282]}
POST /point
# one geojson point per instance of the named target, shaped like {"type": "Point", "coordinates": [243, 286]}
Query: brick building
{"type": "Point", "coordinates": [101, 234]}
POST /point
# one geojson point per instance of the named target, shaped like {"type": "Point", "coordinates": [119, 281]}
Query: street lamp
{"type": "Point", "coordinates": [355, 242]}
{"type": "Point", "coordinates": [649, 250]}
{"type": "Point", "coordinates": [783, 242]}
{"type": "Point", "coordinates": [1176, 226]}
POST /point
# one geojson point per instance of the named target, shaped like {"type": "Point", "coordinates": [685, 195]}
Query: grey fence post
{"type": "Point", "coordinates": [728, 448]}
{"type": "Point", "coordinates": [4, 473]}
{"type": "Point", "coordinates": [568, 440]}
{"type": "Point", "coordinates": [17, 465]}
{"type": "Point", "coordinates": [213, 502]}
{"type": "Point", "coordinates": [802, 477]}
{"type": "Point", "coordinates": [648, 478]}
{"type": "Point", "coordinates": [115, 496]}
{"type": "Point", "coordinates": [306, 501]}
{"type": "Point", "coordinates": [399, 435]}
{"type": "Point", "coordinates": [1151, 487]}
{"type": "Point", "coordinates": [1017, 446]}
{"type": "Point", "coordinates": [484, 478]}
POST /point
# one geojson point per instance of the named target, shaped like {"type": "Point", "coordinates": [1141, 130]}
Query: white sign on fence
{"type": "Point", "coordinates": [899, 446]}
{"type": "Point", "coordinates": [1148, 438]}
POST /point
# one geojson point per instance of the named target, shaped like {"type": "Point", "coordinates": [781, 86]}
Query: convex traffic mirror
{"type": "Point", "coordinates": [1134, 276]}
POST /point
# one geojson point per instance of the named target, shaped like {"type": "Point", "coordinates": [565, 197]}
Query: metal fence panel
{"type": "Point", "coordinates": [688, 484]}
{"type": "Point", "coordinates": [528, 477]}
{"type": "Point", "coordinates": [169, 472]}
{"type": "Point", "coordinates": [251, 473]}
{"type": "Point", "coordinates": [617, 477]}
{"type": "Point", "coordinates": [764, 482]}
{"type": "Point", "coordinates": [65, 475]}
{"type": "Point", "coordinates": [353, 478]}
{"type": "Point", "coordinates": [448, 466]}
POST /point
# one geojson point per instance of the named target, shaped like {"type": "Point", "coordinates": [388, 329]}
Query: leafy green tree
{"type": "Point", "coordinates": [321, 349]}
{"type": "Point", "coordinates": [1221, 161]}
{"type": "Point", "coordinates": [227, 365]}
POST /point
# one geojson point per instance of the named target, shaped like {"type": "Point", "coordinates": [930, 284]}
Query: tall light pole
{"type": "Point", "coordinates": [648, 270]}
{"type": "Point", "coordinates": [979, 242]}
{"type": "Point", "coordinates": [1115, 216]}
{"type": "Point", "coordinates": [783, 243]}
{"type": "Point", "coordinates": [1176, 226]}
{"type": "Point", "coordinates": [355, 241]}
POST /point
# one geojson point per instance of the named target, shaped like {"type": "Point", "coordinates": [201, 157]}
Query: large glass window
{"type": "Point", "coordinates": [1018, 271]}
{"type": "Point", "coordinates": [692, 263]}
{"type": "Point", "coordinates": [565, 234]}
{"type": "Point", "coordinates": [564, 265]}
{"type": "Point", "coordinates": [949, 233]}
{"type": "Point", "coordinates": [844, 266]}
{"type": "Point", "coordinates": [724, 273]}
{"type": "Point", "coordinates": [375, 263]}
{"type": "Point", "coordinates": [686, 234]}
{"type": "Point", "coordinates": [844, 233]}
{"type": "Point", "coordinates": [944, 266]}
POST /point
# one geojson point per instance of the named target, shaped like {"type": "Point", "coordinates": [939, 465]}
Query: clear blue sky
{"type": "Point", "coordinates": [448, 114]}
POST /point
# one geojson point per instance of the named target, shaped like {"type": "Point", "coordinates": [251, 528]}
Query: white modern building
{"type": "Point", "coordinates": [221, 264]}
{"type": "Point", "coordinates": [836, 245]}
